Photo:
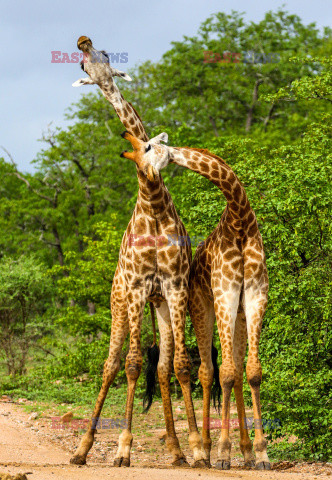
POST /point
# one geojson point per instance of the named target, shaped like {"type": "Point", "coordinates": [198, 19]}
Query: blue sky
{"type": "Point", "coordinates": [36, 92]}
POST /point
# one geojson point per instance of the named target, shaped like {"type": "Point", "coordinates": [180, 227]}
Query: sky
{"type": "Point", "coordinates": [35, 92]}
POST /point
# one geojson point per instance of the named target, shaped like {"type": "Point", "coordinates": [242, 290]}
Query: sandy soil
{"type": "Point", "coordinates": [32, 447]}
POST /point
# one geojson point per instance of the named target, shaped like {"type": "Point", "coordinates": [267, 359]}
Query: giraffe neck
{"type": "Point", "coordinates": [124, 110]}
{"type": "Point", "coordinates": [218, 172]}
{"type": "Point", "coordinates": [153, 197]}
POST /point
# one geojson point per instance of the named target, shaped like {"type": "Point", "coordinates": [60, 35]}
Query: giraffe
{"type": "Point", "coordinates": [229, 282]}
{"type": "Point", "coordinates": [150, 269]}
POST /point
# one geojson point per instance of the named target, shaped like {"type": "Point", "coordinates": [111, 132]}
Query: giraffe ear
{"type": "Point", "coordinates": [123, 75]}
{"type": "Point", "coordinates": [162, 137]}
{"type": "Point", "coordinates": [82, 81]}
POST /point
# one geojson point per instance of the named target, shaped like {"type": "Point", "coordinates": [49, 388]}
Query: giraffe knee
{"type": "Point", "coordinates": [254, 374]}
{"type": "Point", "coordinates": [238, 378]}
{"type": "Point", "coordinates": [133, 371]}
{"type": "Point", "coordinates": [111, 367]}
{"type": "Point", "coordinates": [183, 375]}
{"type": "Point", "coordinates": [255, 381]}
{"type": "Point", "coordinates": [182, 369]}
{"type": "Point", "coordinates": [133, 367]}
{"type": "Point", "coordinates": [227, 377]}
{"type": "Point", "coordinates": [164, 371]}
{"type": "Point", "coordinates": [205, 373]}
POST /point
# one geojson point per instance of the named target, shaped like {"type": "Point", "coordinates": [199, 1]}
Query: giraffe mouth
{"type": "Point", "coordinates": [151, 173]}
{"type": "Point", "coordinates": [83, 43]}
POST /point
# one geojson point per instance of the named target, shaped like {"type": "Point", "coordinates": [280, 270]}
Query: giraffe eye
{"type": "Point", "coordinates": [148, 148]}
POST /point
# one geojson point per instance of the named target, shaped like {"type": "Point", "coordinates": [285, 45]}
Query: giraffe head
{"type": "Point", "coordinates": [150, 157]}
{"type": "Point", "coordinates": [96, 64]}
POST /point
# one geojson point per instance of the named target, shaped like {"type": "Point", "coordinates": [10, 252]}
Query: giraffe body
{"type": "Point", "coordinates": [150, 268]}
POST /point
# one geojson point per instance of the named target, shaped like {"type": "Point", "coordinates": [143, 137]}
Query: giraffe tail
{"type": "Point", "coordinates": [151, 368]}
{"type": "Point", "coordinates": [216, 388]}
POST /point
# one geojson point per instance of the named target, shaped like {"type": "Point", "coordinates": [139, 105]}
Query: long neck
{"type": "Point", "coordinates": [218, 172]}
{"type": "Point", "coordinates": [153, 196]}
{"type": "Point", "coordinates": [105, 80]}
{"type": "Point", "coordinates": [125, 111]}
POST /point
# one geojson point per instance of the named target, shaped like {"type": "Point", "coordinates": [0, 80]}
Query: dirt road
{"type": "Point", "coordinates": [22, 450]}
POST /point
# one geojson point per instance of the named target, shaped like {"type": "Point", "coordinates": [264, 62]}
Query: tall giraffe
{"type": "Point", "coordinates": [150, 269]}
{"type": "Point", "coordinates": [229, 282]}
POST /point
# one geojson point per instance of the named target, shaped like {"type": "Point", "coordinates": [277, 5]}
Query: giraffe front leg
{"type": "Point", "coordinates": [133, 369]}
{"type": "Point", "coordinates": [118, 334]}
{"type": "Point", "coordinates": [255, 304]}
{"type": "Point", "coordinates": [83, 81]}
{"type": "Point", "coordinates": [178, 305]}
{"type": "Point", "coordinates": [166, 347]}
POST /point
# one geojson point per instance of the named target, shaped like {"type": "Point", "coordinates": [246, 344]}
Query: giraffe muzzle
{"type": "Point", "coordinates": [84, 43]}
{"type": "Point", "coordinates": [151, 173]}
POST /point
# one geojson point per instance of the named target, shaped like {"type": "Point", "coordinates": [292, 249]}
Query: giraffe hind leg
{"type": "Point", "coordinates": [240, 347]}
{"type": "Point", "coordinates": [177, 302]}
{"type": "Point", "coordinates": [226, 307]}
{"type": "Point", "coordinates": [255, 302]}
{"type": "Point", "coordinates": [164, 368]}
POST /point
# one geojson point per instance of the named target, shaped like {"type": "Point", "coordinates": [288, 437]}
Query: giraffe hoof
{"type": "Point", "coordinates": [201, 464]}
{"type": "Point", "coordinates": [249, 464]}
{"type": "Point", "coordinates": [125, 462]}
{"type": "Point", "coordinates": [263, 466]}
{"type": "Point", "coordinates": [121, 462]}
{"type": "Point", "coordinates": [180, 462]}
{"type": "Point", "coordinates": [223, 465]}
{"type": "Point", "coordinates": [78, 460]}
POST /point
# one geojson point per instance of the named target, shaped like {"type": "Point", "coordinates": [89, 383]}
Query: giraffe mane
{"type": "Point", "coordinates": [205, 151]}
{"type": "Point", "coordinates": [132, 108]}
{"type": "Point", "coordinates": [135, 111]}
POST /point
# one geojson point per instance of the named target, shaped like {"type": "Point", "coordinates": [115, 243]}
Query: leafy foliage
{"type": "Point", "coordinates": [24, 297]}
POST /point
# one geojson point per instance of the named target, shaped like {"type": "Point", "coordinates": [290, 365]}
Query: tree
{"type": "Point", "coordinates": [24, 297]}
{"type": "Point", "coordinates": [218, 94]}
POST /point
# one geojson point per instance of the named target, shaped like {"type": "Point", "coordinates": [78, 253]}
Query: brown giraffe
{"type": "Point", "coordinates": [229, 282]}
{"type": "Point", "coordinates": [150, 269]}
